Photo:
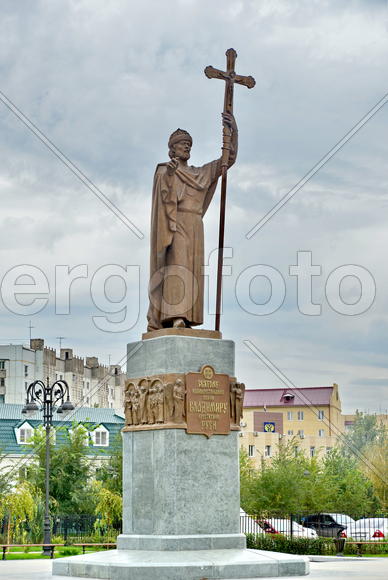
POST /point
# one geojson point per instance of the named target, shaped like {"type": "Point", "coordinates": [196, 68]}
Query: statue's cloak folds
{"type": "Point", "coordinates": [179, 202]}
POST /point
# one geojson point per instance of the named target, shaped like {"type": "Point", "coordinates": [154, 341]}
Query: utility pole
{"type": "Point", "coordinates": [30, 328]}
{"type": "Point", "coordinates": [60, 338]}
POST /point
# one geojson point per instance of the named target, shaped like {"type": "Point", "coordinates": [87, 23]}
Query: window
{"type": "Point", "coordinates": [26, 385]}
{"type": "Point", "coordinates": [251, 450]}
{"type": "Point", "coordinates": [321, 415]}
{"type": "Point", "coordinates": [2, 365]}
{"type": "Point", "coordinates": [24, 433]}
{"type": "Point", "coordinates": [26, 370]}
{"type": "Point", "coordinates": [296, 449]}
{"type": "Point", "coordinates": [2, 399]}
{"type": "Point", "coordinates": [321, 432]}
{"type": "Point", "coordinates": [267, 451]}
{"type": "Point", "coordinates": [290, 432]}
{"type": "Point", "coordinates": [301, 433]}
{"type": "Point", "coordinates": [2, 382]}
{"type": "Point", "coordinates": [300, 415]}
{"type": "Point", "coordinates": [312, 451]}
{"type": "Point", "coordinates": [100, 437]}
{"type": "Point", "coordinates": [289, 415]}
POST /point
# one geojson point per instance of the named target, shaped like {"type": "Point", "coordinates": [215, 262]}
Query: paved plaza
{"type": "Point", "coordinates": [372, 569]}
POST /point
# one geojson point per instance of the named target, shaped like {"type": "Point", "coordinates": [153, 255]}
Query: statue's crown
{"type": "Point", "coordinates": [179, 135]}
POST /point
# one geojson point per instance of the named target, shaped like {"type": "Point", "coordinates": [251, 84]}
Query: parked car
{"type": "Point", "coordinates": [368, 529]}
{"type": "Point", "coordinates": [326, 525]}
{"type": "Point", "coordinates": [343, 519]}
{"type": "Point", "coordinates": [282, 526]}
{"type": "Point", "coordinates": [248, 525]}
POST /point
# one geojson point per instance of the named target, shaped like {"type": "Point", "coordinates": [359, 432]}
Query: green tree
{"type": "Point", "coordinates": [293, 483]}
{"type": "Point", "coordinates": [279, 486]}
{"type": "Point", "coordinates": [367, 443]}
{"type": "Point", "coordinates": [4, 477]}
{"type": "Point", "coordinates": [18, 506]}
{"type": "Point", "coordinates": [351, 491]}
{"type": "Point", "coordinates": [365, 431]}
{"type": "Point", "coordinates": [110, 474]}
{"type": "Point", "coordinates": [248, 476]}
{"type": "Point", "coordinates": [109, 507]}
{"type": "Point", "coordinates": [70, 487]}
{"type": "Point", "coordinates": [375, 469]}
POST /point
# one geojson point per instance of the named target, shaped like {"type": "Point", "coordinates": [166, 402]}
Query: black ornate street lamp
{"type": "Point", "coordinates": [44, 397]}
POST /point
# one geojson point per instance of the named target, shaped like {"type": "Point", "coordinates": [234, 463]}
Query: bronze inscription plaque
{"type": "Point", "coordinates": [207, 402]}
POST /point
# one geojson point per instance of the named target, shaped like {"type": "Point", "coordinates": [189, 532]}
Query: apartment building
{"type": "Point", "coordinates": [310, 416]}
{"type": "Point", "coordinates": [91, 383]}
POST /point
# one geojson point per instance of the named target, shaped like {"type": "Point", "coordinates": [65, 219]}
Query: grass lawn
{"type": "Point", "coordinates": [367, 556]}
{"type": "Point", "coordinates": [30, 556]}
{"type": "Point", "coordinates": [19, 554]}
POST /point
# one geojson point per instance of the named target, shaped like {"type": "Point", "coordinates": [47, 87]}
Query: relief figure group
{"type": "Point", "coordinates": [152, 402]}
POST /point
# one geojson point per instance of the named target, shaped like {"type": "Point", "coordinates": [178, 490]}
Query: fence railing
{"type": "Point", "coordinates": [72, 528]}
{"type": "Point", "coordinates": [371, 528]}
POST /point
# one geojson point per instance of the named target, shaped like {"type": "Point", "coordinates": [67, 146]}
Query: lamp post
{"type": "Point", "coordinates": [44, 397]}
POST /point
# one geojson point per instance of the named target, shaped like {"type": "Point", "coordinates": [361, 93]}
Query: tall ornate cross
{"type": "Point", "coordinates": [230, 77]}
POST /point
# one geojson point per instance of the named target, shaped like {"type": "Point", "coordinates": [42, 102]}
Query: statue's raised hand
{"type": "Point", "coordinates": [229, 121]}
{"type": "Point", "coordinates": [172, 166]}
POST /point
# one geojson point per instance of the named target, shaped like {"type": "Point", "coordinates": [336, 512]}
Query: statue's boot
{"type": "Point", "coordinates": [179, 323]}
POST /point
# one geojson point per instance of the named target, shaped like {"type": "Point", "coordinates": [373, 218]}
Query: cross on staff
{"type": "Point", "coordinates": [230, 77]}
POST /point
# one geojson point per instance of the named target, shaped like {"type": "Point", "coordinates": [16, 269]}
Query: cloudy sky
{"type": "Point", "coordinates": [107, 83]}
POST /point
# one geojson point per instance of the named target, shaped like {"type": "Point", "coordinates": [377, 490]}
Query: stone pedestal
{"type": "Point", "coordinates": [181, 492]}
{"type": "Point", "coordinates": [179, 354]}
{"type": "Point", "coordinates": [181, 514]}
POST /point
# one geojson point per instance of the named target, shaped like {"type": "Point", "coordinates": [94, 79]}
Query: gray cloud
{"type": "Point", "coordinates": [108, 82]}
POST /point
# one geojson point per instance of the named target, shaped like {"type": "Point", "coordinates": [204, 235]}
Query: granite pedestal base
{"type": "Point", "coordinates": [181, 493]}
{"type": "Point", "coordinates": [190, 565]}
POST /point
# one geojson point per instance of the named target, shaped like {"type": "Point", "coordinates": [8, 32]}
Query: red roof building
{"type": "Point", "coordinates": [309, 416]}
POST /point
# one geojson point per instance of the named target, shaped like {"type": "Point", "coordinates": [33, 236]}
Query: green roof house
{"type": "Point", "coordinates": [102, 425]}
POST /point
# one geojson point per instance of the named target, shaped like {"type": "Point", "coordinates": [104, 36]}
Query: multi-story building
{"type": "Point", "coordinates": [310, 416]}
{"type": "Point", "coordinates": [91, 384]}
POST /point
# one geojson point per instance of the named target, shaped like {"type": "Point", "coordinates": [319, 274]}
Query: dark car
{"type": "Point", "coordinates": [326, 525]}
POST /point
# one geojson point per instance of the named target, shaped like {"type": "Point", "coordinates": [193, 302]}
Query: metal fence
{"type": "Point", "coordinates": [370, 528]}
{"type": "Point", "coordinates": [72, 528]}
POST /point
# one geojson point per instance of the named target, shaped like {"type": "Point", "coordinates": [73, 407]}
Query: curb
{"type": "Point", "coordinates": [339, 558]}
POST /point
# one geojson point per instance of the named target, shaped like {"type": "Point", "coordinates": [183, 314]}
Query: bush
{"type": "Point", "coordinates": [70, 552]}
{"type": "Point", "coordinates": [372, 548]}
{"type": "Point", "coordinates": [96, 538]}
{"type": "Point", "coordinates": [280, 543]}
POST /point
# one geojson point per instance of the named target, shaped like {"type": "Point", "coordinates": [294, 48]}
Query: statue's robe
{"type": "Point", "coordinates": [179, 203]}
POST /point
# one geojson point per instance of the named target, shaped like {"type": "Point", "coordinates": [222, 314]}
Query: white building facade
{"type": "Point", "coordinates": [91, 384]}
